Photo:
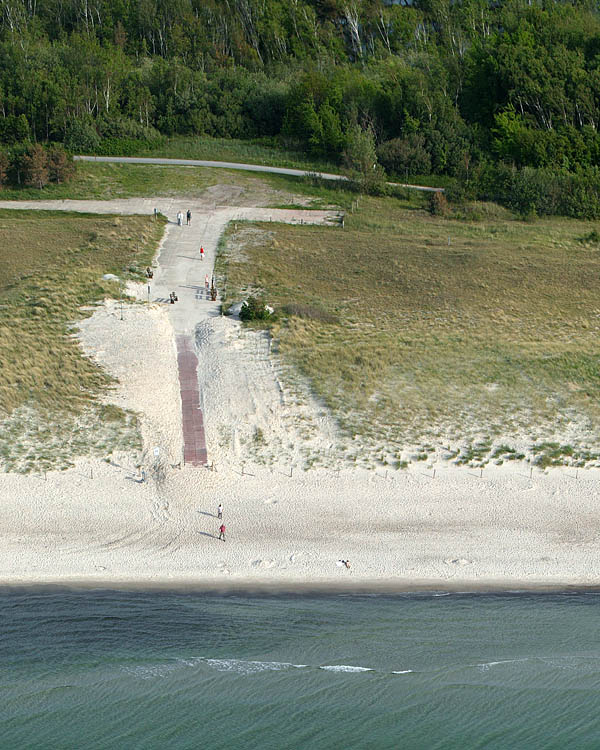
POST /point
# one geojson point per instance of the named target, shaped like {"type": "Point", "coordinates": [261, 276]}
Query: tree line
{"type": "Point", "coordinates": [485, 93]}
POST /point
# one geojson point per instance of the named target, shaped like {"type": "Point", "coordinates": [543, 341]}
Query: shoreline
{"type": "Point", "coordinates": [267, 588]}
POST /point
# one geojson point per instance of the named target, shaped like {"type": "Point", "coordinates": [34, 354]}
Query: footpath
{"type": "Point", "coordinates": [180, 269]}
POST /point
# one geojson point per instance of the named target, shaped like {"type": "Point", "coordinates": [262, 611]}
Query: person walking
{"type": "Point", "coordinates": [220, 510]}
{"type": "Point", "coordinates": [179, 218]}
{"type": "Point", "coordinates": [206, 283]}
{"type": "Point", "coordinates": [188, 217]}
{"type": "Point", "coordinates": [201, 253]}
{"type": "Point", "coordinates": [222, 531]}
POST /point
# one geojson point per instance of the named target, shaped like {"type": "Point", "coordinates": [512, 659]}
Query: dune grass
{"type": "Point", "coordinates": [53, 265]}
{"type": "Point", "coordinates": [436, 332]}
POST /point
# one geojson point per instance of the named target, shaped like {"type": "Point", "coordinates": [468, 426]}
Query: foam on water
{"type": "Point", "coordinates": [241, 666]}
{"type": "Point", "coordinates": [150, 671]}
{"type": "Point", "coordinates": [345, 668]}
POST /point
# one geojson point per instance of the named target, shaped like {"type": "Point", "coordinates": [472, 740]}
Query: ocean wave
{"type": "Point", "coordinates": [345, 668]}
{"type": "Point", "coordinates": [486, 665]}
{"type": "Point", "coordinates": [239, 666]}
{"type": "Point", "coordinates": [150, 671]}
{"type": "Point", "coordinates": [243, 667]}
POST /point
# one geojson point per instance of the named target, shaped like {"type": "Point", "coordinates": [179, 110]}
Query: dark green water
{"type": "Point", "coordinates": [152, 670]}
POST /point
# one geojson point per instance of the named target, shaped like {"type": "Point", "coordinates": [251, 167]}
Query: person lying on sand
{"type": "Point", "coordinates": [345, 563]}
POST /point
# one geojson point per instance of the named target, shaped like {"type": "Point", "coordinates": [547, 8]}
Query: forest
{"type": "Point", "coordinates": [499, 98]}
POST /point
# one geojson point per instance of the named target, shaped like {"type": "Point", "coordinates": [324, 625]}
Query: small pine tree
{"type": "Point", "coordinates": [35, 166]}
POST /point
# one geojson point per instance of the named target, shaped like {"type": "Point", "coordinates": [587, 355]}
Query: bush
{"type": "Point", "coordinates": [438, 205]}
{"type": "Point", "coordinates": [254, 308]}
{"type": "Point", "coordinates": [35, 166]}
{"type": "Point", "coordinates": [542, 192]}
{"type": "Point", "coordinates": [591, 237]}
{"type": "Point", "coordinates": [4, 168]}
{"type": "Point", "coordinates": [405, 156]}
{"type": "Point", "coordinates": [60, 164]}
{"type": "Point", "coordinates": [81, 136]}
{"type": "Point", "coordinates": [125, 146]}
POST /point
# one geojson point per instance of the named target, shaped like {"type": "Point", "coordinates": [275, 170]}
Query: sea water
{"type": "Point", "coordinates": [175, 670]}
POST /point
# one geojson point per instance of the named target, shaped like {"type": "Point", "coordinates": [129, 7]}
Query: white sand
{"type": "Point", "coordinates": [97, 523]}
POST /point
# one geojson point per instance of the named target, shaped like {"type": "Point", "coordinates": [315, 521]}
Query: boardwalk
{"type": "Point", "coordinates": [194, 440]}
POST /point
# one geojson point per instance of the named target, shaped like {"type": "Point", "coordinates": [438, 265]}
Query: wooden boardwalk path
{"type": "Point", "coordinates": [194, 440]}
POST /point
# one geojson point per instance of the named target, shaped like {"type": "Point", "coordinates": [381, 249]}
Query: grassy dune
{"type": "Point", "coordinates": [477, 335]}
{"type": "Point", "coordinates": [53, 265]}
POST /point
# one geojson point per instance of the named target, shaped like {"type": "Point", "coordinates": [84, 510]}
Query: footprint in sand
{"type": "Point", "coordinates": [263, 563]}
{"type": "Point", "coordinates": [458, 561]}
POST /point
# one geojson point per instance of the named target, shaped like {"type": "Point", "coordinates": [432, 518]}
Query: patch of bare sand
{"type": "Point", "coordinates": [254, 192]}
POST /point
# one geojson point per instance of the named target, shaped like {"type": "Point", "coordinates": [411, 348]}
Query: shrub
{"type": "Point", "coordinates": [592, 237]}
{"type": "Point", "coordinates": [4, 167]}
{"type": "Point", "coordinates": [438, 205]}
{"type": "Point", "coordinates": [35, 167]}
{"type": "Point", "coordinates": [60, 164]}
{"type": "Point", "coordinates": [81, 136]}
{"type": "Point", "coordinates": [254, 308]}
{"type": "Point", "coordinates": [405, 156]}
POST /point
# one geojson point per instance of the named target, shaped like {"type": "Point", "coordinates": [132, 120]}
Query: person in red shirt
{"type": "Point", "coordinates": [201, 253]}
{"type": "Point", "coordinates": [222, 531]}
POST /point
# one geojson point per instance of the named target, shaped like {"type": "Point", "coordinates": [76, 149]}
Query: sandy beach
{"type": "Point", "coordinates": [149, 519]}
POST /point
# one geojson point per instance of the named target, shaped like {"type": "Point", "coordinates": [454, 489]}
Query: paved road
{"type": "Point", "coordinates": [243, 167]}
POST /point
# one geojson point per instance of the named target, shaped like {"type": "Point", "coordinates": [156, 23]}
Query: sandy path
{"type": "Point", "coordinates": [98, 523]}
